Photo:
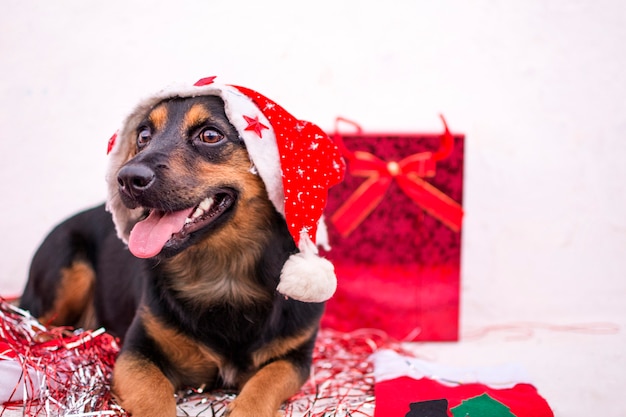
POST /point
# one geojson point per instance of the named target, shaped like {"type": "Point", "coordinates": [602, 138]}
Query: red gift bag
{"type": "Point", "coordinates": [394, 225]}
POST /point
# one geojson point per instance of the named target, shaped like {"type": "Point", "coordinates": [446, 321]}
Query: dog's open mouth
{"type": "Point", "coordinates": [150, 235]}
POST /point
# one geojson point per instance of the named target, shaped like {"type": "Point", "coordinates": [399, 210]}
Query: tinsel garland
{"type": "Point", "coordinates": [66, 372]}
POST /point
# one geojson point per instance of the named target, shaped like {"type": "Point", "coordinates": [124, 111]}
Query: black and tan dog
{"type": "Point", "coordinates": [202, 306]}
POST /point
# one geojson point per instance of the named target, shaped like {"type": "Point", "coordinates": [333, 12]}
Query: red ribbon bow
{"type": "Point", "coordinates": [409, 174]}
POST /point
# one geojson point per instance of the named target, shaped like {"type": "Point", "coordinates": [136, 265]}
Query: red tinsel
{"type": "Point", "coordinates": [342, 380]}
{"type": "Point", "coordinates": [64, 372]}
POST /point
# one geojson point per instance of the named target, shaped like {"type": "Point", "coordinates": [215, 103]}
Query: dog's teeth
{"type": "Point", "coordinates": [206, 203]}
{"type": "Point", "coordinates": [199, 212]}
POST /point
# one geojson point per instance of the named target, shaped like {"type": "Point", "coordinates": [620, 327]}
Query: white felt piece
{"type": "Point", "coordinates": [391, 365]}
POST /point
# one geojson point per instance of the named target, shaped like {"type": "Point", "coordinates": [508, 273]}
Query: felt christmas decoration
{"type": "Point", "coordinates": [500, 391]}
{"type": "Point", "coordinates": [295, 159]}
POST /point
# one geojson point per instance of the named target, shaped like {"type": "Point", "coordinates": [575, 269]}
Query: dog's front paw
{"type": "Point", "coordinates": [262, 395]}
{"type": "Point", "coordinates": [141, 389]}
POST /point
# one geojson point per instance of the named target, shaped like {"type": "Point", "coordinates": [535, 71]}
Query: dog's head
{"type": "Point", "coordinates": [190, 159]}
{"type": "Point", "coordinates": [186, 174]}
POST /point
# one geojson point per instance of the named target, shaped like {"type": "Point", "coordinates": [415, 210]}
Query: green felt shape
{"type": "Point", "coordinates": [481, 406]}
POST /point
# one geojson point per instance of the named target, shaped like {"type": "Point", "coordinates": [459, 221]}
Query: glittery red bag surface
{"type": "Point", "coordinates": [395, 229]}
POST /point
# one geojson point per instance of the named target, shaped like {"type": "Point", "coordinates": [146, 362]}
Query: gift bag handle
{"type": "Point", "coordinates": [338, 138]}
{"type": "Point", "coordinates": [445, 148]}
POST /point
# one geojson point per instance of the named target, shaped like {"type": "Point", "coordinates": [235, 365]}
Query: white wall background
{"type": "Point", "coordinates": [538, 87]}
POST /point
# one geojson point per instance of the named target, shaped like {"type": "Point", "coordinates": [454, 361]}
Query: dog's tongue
{"type": "Point", "coordinates": [149, 236]}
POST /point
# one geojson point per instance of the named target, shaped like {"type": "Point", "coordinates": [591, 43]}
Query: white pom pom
{"type": "Point", "coordinates": [306, 276]}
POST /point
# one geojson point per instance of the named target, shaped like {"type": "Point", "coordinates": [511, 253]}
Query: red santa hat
{"type": "Point", "coordinates": [295, 159]}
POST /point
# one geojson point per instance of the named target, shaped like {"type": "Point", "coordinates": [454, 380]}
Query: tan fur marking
{"type": "Point", "coordinates": [158, 116]}
{"type": "Point", "coordinates": [141, 389]}
{"type": "Point", "coordinates": [196, 362]}
{"type": "Point", "coordinates": [194, 116]}
{"type": "Point", "coordinates": [73, 303]}
{"type": "Point", "coordinates": [279, 347]}
{"type": "Point", "coordinates": [229, 274]}
{"type": "Point", "coordinates": [263, 394]}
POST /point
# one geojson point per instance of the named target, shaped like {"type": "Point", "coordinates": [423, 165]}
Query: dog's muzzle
{"type": "Point", "coordinates": [135, 179]}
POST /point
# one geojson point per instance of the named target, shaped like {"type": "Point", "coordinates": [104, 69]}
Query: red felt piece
{"type": "Point", "coordinates": [393, 397]}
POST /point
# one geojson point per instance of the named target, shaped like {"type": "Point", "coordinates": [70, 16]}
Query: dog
{"type": "Point", "coordinates": [191, 286]}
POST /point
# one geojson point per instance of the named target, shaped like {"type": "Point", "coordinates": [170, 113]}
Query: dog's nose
{"type": "Point", "coordinates": [135, 179]}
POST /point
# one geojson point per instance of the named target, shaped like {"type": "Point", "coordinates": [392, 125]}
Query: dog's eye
{"type": "Point", "coordinates": [143, 137]}
{"type": "Point", "coordinates": [210, 135]}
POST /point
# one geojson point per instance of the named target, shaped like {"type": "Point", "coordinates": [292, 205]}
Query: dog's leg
{"type": "Point", "coordinates": [262, 395]}
{"type": "Point", "coordinates": [73, 299]}
{"type": "Point", "coordinates": [62, 276]}
{"type": "Point", "coordinates": [141, 388]}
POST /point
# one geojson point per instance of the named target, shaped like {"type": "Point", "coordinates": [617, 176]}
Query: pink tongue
{"type": "Point", "coordinates": [149, 236]}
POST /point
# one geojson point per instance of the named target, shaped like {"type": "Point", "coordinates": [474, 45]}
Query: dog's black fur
{"type": "Point", "coordinates": [205, 309]}
{"type": "Point", "coordinates": [85, 242]}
